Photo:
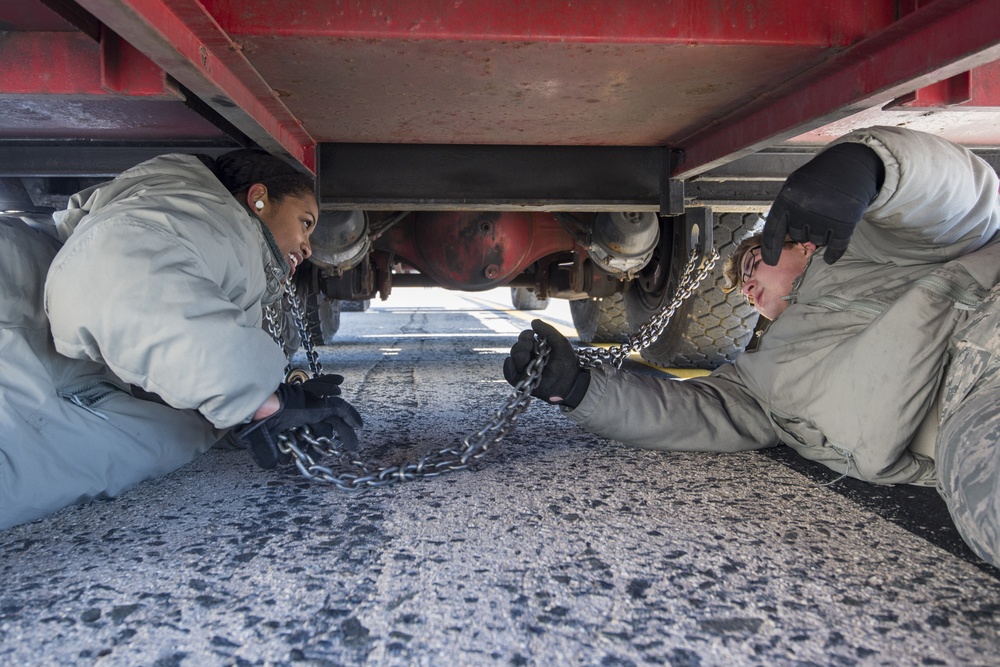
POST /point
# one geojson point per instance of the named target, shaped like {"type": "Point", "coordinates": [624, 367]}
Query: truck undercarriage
{"type": "Point", "coordinates": [567, 150]}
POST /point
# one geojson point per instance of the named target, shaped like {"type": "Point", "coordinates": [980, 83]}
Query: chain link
{"type": "Point", "coordinates": [324, 460]}
{"type": "Point", "coordinates": [275, 323]}
{"type": "Point", "coordinates": [350, 474]}
{"type": "Point", "coordinates": [306, 332]}
{"type": "Point", "coordinates": [651, 331]}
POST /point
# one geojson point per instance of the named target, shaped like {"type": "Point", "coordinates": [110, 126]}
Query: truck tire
{"type": "Point", "coordinates": [289, 333]}
{"type": "Point", "coordinates": [525, 299]}
{"type": "Point", "coordinates": [322, 319]}
{"type": "Point", "coordinates": [355, 306]}
{"type": "Point", "coordinates": [324, 314]}
{"type": "Point", "coordinates": [709, 329]}
{"type": "Point", "coordinates": [600, 320]}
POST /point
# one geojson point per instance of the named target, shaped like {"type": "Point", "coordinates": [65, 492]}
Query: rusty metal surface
{"type": "Point", "coordinates": [376, 91]}
{"type": "Point", "coordinates": [779, 22]}
{"type": "Point", "coordinates": [475, 250]}
{"type": "Point", "coordinates": [598, 73]}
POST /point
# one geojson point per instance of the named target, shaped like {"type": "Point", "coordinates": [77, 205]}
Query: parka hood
{"type": "Point", "coordinates": [185, 174]}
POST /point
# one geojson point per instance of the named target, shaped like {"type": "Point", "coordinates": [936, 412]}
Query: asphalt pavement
{"type": "Point", "coordinates": [558, 548]}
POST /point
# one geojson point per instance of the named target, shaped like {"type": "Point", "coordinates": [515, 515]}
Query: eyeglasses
{"type": "Point", "coordinates": [751, 261]}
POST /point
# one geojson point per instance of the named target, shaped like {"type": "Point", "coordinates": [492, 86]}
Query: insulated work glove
{"type": "Point", "coordinates": [823, 200]}
{"type": "Point", "coordinates": [324, 415]}
{"type": "Point", "coordinates": [563, 381]}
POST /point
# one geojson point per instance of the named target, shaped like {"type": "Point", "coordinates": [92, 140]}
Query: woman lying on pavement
{"type": "Point", "coordinates": [132, 342]}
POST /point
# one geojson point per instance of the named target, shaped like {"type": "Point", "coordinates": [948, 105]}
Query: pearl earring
{"type": "Point", "coordinates": [259, 205]}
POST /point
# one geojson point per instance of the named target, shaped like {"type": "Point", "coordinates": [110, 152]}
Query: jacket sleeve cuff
{"type": "Point", "coordinates": [597, 380]}
{"type": "Point", "coordinates": [578, 390]}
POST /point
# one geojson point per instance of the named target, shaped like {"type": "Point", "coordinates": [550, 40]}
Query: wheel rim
{"type": "Point", "coordinates": [652, 283]}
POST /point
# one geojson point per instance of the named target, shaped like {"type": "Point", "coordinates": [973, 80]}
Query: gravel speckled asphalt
{"type": "Point", "coordinates": [561, 548]}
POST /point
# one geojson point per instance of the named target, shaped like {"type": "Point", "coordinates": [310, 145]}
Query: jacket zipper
{"type": "Point", "coordinates": [74, 395]}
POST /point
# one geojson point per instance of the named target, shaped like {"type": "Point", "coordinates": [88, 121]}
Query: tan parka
{"type": "Point", "coordinates": [851, 369]}
{"type": "Point", "coordinates": [159, 285]}
{"type": "Point", "coordinates": [162, 280]}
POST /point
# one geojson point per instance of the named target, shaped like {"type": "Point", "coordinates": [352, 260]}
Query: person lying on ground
{"type": "Point", "coordinates": [131, 341]}
{"type": "Point", "coordinates": [879, 268]}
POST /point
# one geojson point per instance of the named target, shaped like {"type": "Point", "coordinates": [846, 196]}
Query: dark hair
{"type": "Point", "coordinates": [238, 170]}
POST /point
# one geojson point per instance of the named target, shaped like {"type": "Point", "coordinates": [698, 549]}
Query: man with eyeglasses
{"type": "Point", "coordinates": [882, 356]}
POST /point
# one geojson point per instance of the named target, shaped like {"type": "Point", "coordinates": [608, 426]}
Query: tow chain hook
{"type": "Point", "coordinates": [296, 376]}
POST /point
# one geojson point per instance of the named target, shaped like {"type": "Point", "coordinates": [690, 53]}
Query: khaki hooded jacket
{"type": "Point", "coordinates": [162, 279]}
{"type": "Point", "coordinates": [851, 370]}
{"type": "Point", "coordinates": [160, 285]}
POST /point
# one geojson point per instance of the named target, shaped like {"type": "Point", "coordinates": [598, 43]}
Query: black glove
{"type": "Point", "coordinates": [327, 384]}
{"type": "Point", "coordinates": [562, 376]}
{"type": "Point", "coordinates": [823, 200]}
{"type": "Point", "coordinates": [324, 415]}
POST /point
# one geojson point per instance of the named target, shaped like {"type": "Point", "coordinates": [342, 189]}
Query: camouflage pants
{"type": "Point", "coordinates": [968, 444]}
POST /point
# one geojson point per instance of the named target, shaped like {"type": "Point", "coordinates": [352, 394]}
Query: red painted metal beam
{"type": "Point", "coordinates": [125, 71]}
{"type": "Point", "coordinates": [49, 63]}
{"type": "Point", "coordinates": [73, 64]}
{"type": "Point", "coordinates": [949, 92]}
{"type": "Point", "coordinates": [978, 87]}
{"type": "Point", "coordinates": [183, 39]}
{"type": "Point", "coordinates": [774, 22]}
{"type": "Point", "coordinates": [937, 41]}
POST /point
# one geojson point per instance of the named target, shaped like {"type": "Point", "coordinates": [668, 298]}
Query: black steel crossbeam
{"type": "Point", "coordinates": [475, 177]}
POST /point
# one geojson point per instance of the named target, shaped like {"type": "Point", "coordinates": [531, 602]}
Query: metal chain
{"type": "Point", "coordinates": [349, 474]}
{"type": "Point", "coordinates": [305, 331]}
{"type": "Point", "coordinates": [651, 331]}
{"type": "Point", "coordinates": [274, 322]}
